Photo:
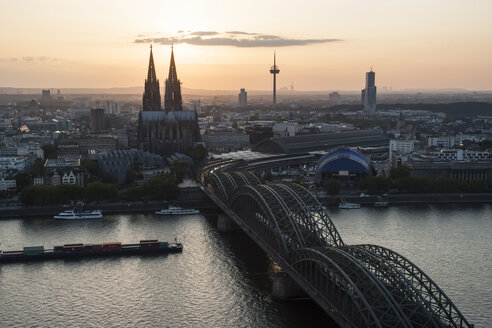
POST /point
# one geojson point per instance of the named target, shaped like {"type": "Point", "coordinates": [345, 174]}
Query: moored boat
{"type": "Point", "coordinates": [176, 210]}
{"type": "Point", "coordinates": [381, 202]}
{"type": "Point", "coordinates": [345, 205]}
{"type": "Point", "coordinates": [78, 213]}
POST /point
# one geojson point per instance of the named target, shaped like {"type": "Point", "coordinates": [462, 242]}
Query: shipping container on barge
{"type": "Point", "coordinates": [32, 253]}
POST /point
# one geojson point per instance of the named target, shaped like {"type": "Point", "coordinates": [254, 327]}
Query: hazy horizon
{"type": "Point", "coordinates": [138, 90]}
{"type": "Point", "coordinates": [227, 46]}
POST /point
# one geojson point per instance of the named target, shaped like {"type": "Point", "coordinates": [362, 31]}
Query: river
{"type": "Point", "coordinates": [224, 280]}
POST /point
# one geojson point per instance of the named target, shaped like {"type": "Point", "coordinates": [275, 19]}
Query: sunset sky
{"type": "Point", "coordinates": [227, 44]}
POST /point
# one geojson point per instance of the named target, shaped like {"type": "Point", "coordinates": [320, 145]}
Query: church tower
{"type": "Point", "coordinates": [152, 94]}
{"type": "Point", "coordinates": [172, 98]}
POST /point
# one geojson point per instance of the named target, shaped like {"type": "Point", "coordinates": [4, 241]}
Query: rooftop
{"type": "Point", "coordinates": [321, 141]}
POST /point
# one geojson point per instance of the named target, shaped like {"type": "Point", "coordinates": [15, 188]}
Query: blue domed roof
{"type": "Point", "coordinates": [344, 159]}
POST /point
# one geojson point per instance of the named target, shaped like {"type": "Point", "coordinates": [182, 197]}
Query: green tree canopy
{"type": "Point", "coordinates": [89, 165]}
{"type": "Point", "coordinates": [198, 154]}
{"type": "Point", "coordinates": [37, 168]}
{"type": "Point", "coordinates": [159, 187]}
{"type": "Point", "coordinates": [376, 184]}
{"type": "Point", "coordinates": [100, 191]}
{"type": "Point", "coordinates": [399, 172]}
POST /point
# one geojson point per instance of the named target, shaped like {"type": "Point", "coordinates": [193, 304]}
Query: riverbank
{"type": "Point", "coordinates": [205, 206]}
{"type": "Point", "coordinates": [195, 198]}
{"type": "Point", "coordinates": [408, 199]}
{"type": "Point", "coordinates": [189, 198]}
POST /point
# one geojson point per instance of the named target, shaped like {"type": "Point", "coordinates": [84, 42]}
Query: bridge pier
{"type": "Point", "coordinates": [225, 223]}
{"type": "Point", "coordinates": [286, 289]}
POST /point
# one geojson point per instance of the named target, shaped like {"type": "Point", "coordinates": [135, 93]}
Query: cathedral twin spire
{"type": "Point", "coordinates": [152, 96]}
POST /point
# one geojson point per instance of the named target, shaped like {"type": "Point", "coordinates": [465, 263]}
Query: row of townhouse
{"type": "Point", "coordinates": [69, 177]}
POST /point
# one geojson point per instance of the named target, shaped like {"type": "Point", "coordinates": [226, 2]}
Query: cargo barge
{"type": "Point", "coordinates": [39, 253]}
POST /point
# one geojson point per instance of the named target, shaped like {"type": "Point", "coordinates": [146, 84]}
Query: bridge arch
{"type": "Point", "coordinates": [438, 303]}
{"type": "Point", "coordinates": [342, 282]}
{"type": "Point", "coordinates": [414, 305]}
{"type": "Point", "coordinates": [292, 218]}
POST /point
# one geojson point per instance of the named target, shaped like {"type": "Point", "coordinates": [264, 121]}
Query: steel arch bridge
{"type": "Point", "coordinates": [357, 285]}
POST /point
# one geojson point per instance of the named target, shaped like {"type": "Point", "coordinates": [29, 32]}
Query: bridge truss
{"type": "Point", "coordinates": [357, 285]}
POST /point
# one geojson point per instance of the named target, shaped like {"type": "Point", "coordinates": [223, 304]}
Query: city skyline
{"type": "Point", "coordinates": [320, 46]}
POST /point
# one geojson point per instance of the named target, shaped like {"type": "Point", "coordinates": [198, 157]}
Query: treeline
{"type": "Point", "coordinates": [401, 180]}
{"type": "Point", "coordinates": [64, 193]}
{"type": "Point", "coordinates": [381, 184]}
{"type": "Point", "coordinates": [160, 187]}
{"type": "Point", "coordinates": [452, 110]}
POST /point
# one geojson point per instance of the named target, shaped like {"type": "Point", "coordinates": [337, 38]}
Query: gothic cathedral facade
{"type": "Point", "coordinates": [172, 129]}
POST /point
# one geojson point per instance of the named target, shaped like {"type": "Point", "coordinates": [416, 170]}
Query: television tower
{"type": "Point", "coordinates": [274, 70]}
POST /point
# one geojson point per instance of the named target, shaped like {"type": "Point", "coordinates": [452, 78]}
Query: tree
{"type": "Point", "coordinates": [49, 195]}
{"type": "Point", "coordinates": [89, 165]}
{"type": "Point", "coordinates": [399, 172]}
{"type": "Point", "coordinates": [444, 185]}
{"type": "Point", "coordinates": [413, 184]}
{"type": "Point", "coordinates": [332, 187]}
{"type": "Point", "coordinates": [198, 153]}
{"type": "Point", "coordinates": [178, 169]}
{"type": "Point", "coordinates": [22, 180]}
{"type": "Point", "coordinates": [159, 187]}
{"type": "Point", "coordinates": [100, 191]}
{"type": "Point", "coordinates": [476, 185]}
{"type": "Point", "coordinates": [131, 175]}
{"type": "Point", "coordinates": [375, 184]}
{"type": "Point", "coordinates": [37, 168]}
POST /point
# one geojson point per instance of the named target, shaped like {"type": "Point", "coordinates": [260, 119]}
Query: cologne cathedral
{"type": "Point", "coordinates": [172, 129]}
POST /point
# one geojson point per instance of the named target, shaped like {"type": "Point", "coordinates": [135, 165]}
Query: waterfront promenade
{"type": "Point", "coordinates": [409, 199]}
{"type": "Point", "coordinates": [197, 199]}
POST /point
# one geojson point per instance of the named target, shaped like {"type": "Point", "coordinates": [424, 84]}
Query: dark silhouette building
{"type": "Point", "coordinates": [368, 95]}
{"type": "Point", "coordinates": [243, 98]}
{"type": "Point", "coordinates": [97, 120]}
{"type": "Point", "coordinates": [152, 94]}
{"type": "Point", "coordinates": [172, 129]}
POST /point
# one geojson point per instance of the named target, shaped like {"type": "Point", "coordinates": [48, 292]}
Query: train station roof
{"type": "Point", "coordinates": [321, 142]}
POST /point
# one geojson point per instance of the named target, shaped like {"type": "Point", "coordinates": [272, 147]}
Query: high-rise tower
{"type": "Point", "coordinates": [368, 96]}
{"type": "Point", "coordinates": [243, 98]}
{"type": "Point", "coordinates": [274, 70]}
{"type": "Point", "coordinates": [172, 97]}
{"type": "Point", "coordinates": [152, 94]}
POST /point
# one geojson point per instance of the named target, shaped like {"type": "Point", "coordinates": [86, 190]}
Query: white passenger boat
{"type": "Point", "coordinates": [78, 213]}
{"type": "Point", "coordinates": [176, 210]}
{"type": "Point", "coordinates": [381, 202]}
{"type": "Point", "coordinates": [344, 205]}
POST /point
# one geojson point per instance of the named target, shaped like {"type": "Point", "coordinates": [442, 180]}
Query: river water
{"type": "Point", "coordinates": [224, 280]}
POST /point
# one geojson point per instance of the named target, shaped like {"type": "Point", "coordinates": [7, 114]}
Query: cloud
{"type": "Point", "coordinates": [204, 33]}
{"type": "Point", "coordinates": [31, 59]}
{"type": "Point", "coordinates": [232, 39]}
{"type": "Point", "coordinates": [240, 33]}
